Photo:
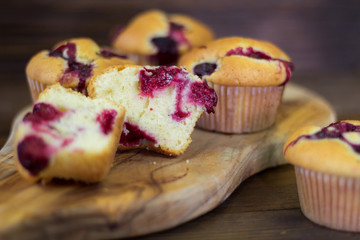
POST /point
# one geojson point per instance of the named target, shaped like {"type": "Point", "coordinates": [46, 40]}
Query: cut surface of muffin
{"type": "Point", "coordinates": [162, 104]}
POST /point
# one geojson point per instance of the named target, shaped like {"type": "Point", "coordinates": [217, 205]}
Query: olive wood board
{"type": "Point", "coordinates": [147, 192]}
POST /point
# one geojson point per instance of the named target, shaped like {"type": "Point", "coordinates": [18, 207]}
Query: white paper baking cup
{"type": "Point", "coordinates": [35, 88]}
{"type": "Point", "coordinates": [242, 109]}
{"type": "Point", "coordinates": [329, 200]}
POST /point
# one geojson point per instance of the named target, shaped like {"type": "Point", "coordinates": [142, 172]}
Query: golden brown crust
{"type": "Point", "coordinates": [103, 63]}
{"type": "Point", "coordinates": [137, 35]}
{"type": "Point", "coordinates": [56, 85]}
{"type": "Point", "coordinates": [135, 38]}
{"type": "Point", "coordinates": [45, 69]}
{"type": "Point", "coordinates": [86, 49]}
{"type": "Point", "coordinates": [327, 155]}
{"type": "Point", "coordinates": [237, 70]}
{"type": "Point", "coordinates": [49, 70]}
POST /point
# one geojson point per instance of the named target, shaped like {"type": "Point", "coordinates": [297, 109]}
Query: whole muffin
{"type": "Point", "coordinates": [327, 167]}
{"type": "Point", "coordinates": [71, 63]}
{"type": "Point", "coordinates": [248, 76]}
{"type": "Point", "coordinates": [156, 38]}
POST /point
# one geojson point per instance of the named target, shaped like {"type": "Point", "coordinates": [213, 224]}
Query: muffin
{"type": "Point", "coordinates": [248, 76]}
{"type": "Point", "coordinates": [327, 167]}
{"type": "Point", "coordinates": [71, 63]}
{"type": "Point", "coordinates": [162, 105]}
{"type": "Point", "coordinates": [68, 136]}
{"type": "Point", "coordinates": [156, 38]}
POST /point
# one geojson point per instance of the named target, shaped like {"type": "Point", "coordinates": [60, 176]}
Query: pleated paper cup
{"type": "Point", "coordinates": [140, 59]}
{"type": "Point", "coordinates": [242, 109]}
{"type": "Point", "coordinates": [35, 88]}
{"type": "Point", "coordinates": [329, 200]}
{"type": "Point", "coordinates": [136, 58]}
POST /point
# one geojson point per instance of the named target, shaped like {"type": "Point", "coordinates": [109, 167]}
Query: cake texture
{"type": "Point", "coordinates": [71, 63]}
{"type": "Point", "coordinates": [68, 136]}
{"type": "Point", "coordinates": [327, 167]}
{"type": "Point", "coordinates": [162, 104]}
{"type": "Point", "coordinates": [156, 38]}
{"type": "Point", "coordinates": [249, 77]}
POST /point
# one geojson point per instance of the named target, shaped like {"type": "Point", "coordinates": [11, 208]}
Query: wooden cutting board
{"type": "Point", "coordinates": [147, 192]}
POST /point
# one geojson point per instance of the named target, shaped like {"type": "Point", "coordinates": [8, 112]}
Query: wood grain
{"type": "Point", "coordinates": [146, 192]}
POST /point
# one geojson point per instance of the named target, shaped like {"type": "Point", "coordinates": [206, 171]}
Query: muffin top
{"type": "Point", "coordinates": [334, 149]}
{"type": "Point", "coordinates": [151, 31]}
{"type": "Point", "coordinates": [71, 63]}
{"type": "Point", "coordinates": [238, 61]}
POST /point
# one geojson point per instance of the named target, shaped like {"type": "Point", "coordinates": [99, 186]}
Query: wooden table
{"type": "Point", "coordinates": [266, 205]}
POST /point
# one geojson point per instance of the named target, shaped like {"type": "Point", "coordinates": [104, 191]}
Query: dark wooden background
{"type": "Point", "coordinates": [321, 37]}
{"type": "Point", "coordinates": [318, 35]}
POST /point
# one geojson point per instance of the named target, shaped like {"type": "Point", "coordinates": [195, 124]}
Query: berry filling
{"type": "Point", "coordinates": [106, 53]}
{"type": "Point", "coordinates": [250, 52]}
{"type": "Point", "coordinates": [177, 33]}
{"type": "Point", "coordinates": [33, 154]}
{"type": "Point", "coordinates": [157, 79]}
{"type": "Point", "coordinates": [203, 95]}
{"type": "Point", "coordinates": [132, 135]}
{"type": "Point", "coordinates": [106, 120]}
{"type": "Point", "coordinates": [333, 131]}
{"type": "Point", "coordinates": [203, 69]}
{"type": "Point", "coordinates": [179, 114]}
{"type": "Point", "coordinates": [167, 53]}
{"type": "Point", "coordinates": [42, 112]}
{"type": "Point", "coordinates": [80, 70]}
{"type": "Point", "coordinates": [41, 117]}
{"type": "Point", "coordinates": [66, 52]}
{"type": "Point", "coordinates": [167, 47]}
{"type": "Point", "coordinates": [163, 77]}
{"type": "Point", "coordinates": [66, 142]}
{"type": "Point", "coordinates": [75, 69]}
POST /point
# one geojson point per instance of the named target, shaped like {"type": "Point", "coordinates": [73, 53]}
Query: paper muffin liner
{"type": "Point", "coordinates": [135, 58]}
{"type": "Point", "coordinates": [139, 59]}
{"type": "Point", "coordinates": [329, 200]}
{"type": "Point", "coordinates": [36, 88]}
{"type": "Point", "coordinates": [242, 109]}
